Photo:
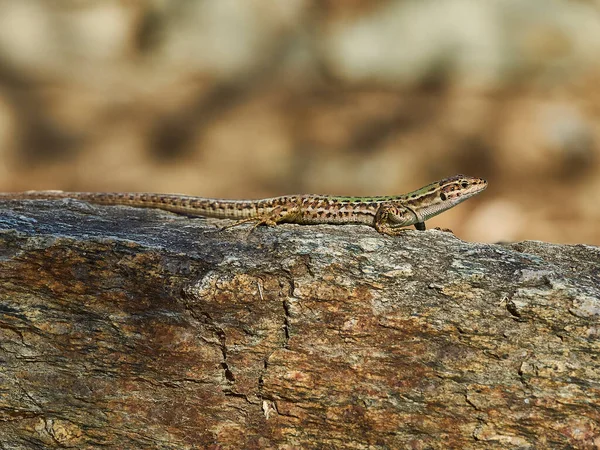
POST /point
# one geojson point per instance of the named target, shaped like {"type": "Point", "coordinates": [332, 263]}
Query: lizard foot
{"type": "Point", "coordinates": [258, 221]}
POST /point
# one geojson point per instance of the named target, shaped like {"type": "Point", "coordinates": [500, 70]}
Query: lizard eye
{"type": "Point", "coordinates": [464, 184]}
{"type": "Point", "coordinates": [443, 197]}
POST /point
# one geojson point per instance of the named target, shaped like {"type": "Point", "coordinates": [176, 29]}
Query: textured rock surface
{"type": "Point", "coordinates": [135, 328]}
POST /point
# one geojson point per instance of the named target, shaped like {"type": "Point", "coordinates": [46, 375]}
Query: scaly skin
{"type": "Point", "coordinates": [387, 215]}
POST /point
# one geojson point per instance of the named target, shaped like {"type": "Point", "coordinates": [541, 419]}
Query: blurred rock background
{"type": "Point", "coordinates": [247, 99]}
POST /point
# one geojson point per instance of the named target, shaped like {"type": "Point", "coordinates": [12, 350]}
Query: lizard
{"type": "Point", "coordinates": [387, 214]}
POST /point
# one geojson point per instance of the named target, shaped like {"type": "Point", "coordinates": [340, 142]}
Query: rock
{"type": "Point", "coordinates": [131, 328]}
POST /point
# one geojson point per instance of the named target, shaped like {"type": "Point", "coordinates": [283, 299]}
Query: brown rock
{"type": "Point", "coordinates": [130, 328]}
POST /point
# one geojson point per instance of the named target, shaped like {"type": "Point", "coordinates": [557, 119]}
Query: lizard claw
{"type": "Point", "coordinates": [445, 230]}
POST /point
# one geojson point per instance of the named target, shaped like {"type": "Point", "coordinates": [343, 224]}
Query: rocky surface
{"type": "Point", "coordinates": [129, 328]}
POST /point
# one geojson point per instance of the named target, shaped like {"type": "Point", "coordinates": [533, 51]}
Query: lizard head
{"type": "Point", "coordinates": [442, 195]}
{"type": "Point", "coordinates": [459, 188]}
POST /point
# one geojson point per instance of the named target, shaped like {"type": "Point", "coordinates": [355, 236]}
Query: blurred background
{"type": "Point", "coordinates": [249, 99]}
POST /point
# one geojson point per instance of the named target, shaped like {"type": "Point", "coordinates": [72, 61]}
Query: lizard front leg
{"type": "Point", "coordinates": [391, 219]}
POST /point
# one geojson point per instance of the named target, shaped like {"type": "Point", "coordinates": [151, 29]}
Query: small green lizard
{"type": "Point", "coordinates": [387, 215]}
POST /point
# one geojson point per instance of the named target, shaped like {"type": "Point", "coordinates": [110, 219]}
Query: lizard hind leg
{"type": "Point", "coordinates": [241, 222]}
{"type": "Point", "coordinates": [270, 219]}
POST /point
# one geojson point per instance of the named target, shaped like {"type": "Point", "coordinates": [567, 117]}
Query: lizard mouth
{"type": "Point", "coordinates": [472, 190]}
